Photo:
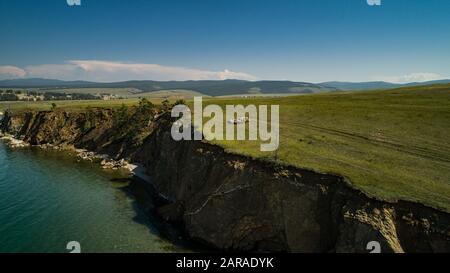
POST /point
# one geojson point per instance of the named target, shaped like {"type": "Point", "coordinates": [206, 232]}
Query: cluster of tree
{"type": "Point", "coordinates": [63, 96]}
{"type": "Point", "coordinates": [18, 95]}
{"type": "Point", "coordinates": [8, 97]}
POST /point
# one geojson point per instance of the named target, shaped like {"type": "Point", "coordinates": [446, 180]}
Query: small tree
{"type": "Point", "coordinates": [53, 106]}
{"type": "Point", "coordinates": [145, 104]}
{"type": "Point", "coordinates": [180, 102]}
{"type": "Point", "coordinates": [121, 115]}
{"type": "Point", "coordinates": [166, 104]}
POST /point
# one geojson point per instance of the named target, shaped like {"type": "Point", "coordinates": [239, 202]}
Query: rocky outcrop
{"type": "Point", "coordinates": [236, 203]}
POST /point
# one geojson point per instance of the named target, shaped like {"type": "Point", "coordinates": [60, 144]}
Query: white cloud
{"type": "Point", "coordinates": [55, 71]}
{"type": "Point", "coordinates": [104, 70]}
{"type": "Point", "coordinates": [107, 71]}
{"type": "Point", "coordinates": [11, 72]}
{"type": "Point", "coordinates": [413, 77]}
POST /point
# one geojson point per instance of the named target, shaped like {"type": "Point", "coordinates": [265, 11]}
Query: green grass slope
{"type": "Point", "coordinates": [390, 144]}
{"type": "Point", "coordinates": [67, 105]}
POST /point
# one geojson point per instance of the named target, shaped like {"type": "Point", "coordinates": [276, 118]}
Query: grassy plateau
{"type": "Point", "coordinates": [390, 144]}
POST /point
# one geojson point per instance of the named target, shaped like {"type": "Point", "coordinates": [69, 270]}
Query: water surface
{"type": "Point", "coordinates": [48, 198]}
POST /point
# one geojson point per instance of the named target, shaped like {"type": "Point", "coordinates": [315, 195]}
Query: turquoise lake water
{"type": "Point", "coordinates": [48, 199]}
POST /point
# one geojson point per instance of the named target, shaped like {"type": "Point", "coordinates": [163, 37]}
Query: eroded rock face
{"type": "Point", "coordinates": [231, 202]}
{"type": "Point", "coordinates": [236, 203]}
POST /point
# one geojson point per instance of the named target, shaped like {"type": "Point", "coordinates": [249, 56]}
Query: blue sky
{"type": "Point", "coordinates": [300, 40]}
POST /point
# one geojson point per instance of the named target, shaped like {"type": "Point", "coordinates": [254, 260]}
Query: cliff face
{"type": "Point", "coordinates": [232, 202]}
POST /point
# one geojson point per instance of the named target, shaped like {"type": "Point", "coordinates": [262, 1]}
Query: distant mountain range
{"type": "Point", "coordinates": [352, 86]}
{"type": "Point", "coordinates": [213, 88]}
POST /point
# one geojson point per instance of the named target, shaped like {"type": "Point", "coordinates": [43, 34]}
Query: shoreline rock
{"type": "Point", "coordinates": [104, 160]}
{"type": "Point", "coordinates": [13, 142]}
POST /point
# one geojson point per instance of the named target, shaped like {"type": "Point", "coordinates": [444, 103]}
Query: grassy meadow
{"type": "Point", "coordinates": [391, 144]}
{"type": "Point", "coordinates": [129, 93]}
{"type": "Point", "coordinates": [68, 105]}
{"type": "Point", "coordinates": [123, 92]}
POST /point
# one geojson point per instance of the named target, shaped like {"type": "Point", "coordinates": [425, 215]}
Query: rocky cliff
{"type": "Point", "coordinates": [235, 203]}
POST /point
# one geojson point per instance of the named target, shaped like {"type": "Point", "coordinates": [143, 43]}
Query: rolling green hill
{"type": "Point", "coordinates": [209, 88]}
{"type": "Point", "coordinates": [362, 86]}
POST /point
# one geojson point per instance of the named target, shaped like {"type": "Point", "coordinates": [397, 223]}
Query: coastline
{"type": "Point", "coordinates": [141, 189]}
{"type": "Point", "coordinates": [232, 202]}
{"type": "Point", "coordinates": [104, 160]}
{"type": "Point", "coordinates": [12, 141]}
{"type": "Point", "coordinates": [62, 198]}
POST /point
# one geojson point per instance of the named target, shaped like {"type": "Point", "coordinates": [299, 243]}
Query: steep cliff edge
{"type": "Point", "coordinates": [232, 202]}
